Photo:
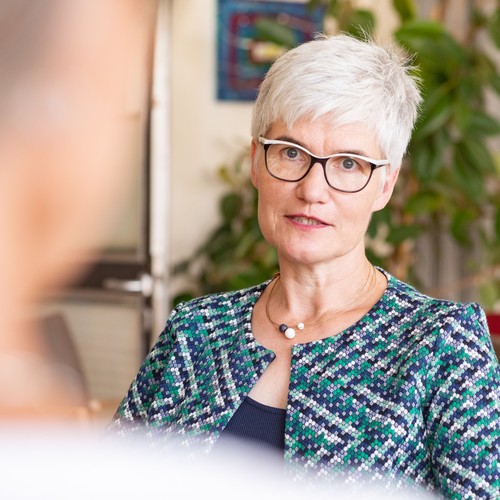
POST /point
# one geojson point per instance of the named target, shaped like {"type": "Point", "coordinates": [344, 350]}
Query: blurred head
{"type": "Point", "coordinates": [347, 80]}
{"type": "Point", "coordinates": [69, 73]}
{"type": "Point", "coordinates": [68, 105]}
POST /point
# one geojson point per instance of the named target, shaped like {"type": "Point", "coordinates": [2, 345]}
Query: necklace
{"type": "Point", "coordinates": [290, 331]}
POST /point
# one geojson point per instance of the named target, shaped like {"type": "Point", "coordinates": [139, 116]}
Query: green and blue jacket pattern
{"type": "Point", "coordinates": [409, 392]}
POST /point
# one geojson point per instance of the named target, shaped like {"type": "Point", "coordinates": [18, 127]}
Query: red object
{"type": "Point", "coordinates": [494, 326]}
{"type": "Point", "coordinates": [494, 323]}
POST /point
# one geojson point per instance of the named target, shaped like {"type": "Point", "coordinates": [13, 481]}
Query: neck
{"type": "Point", "coordinates": [291, 306]}
{"type": "Point", "coordinates": [312, 291]}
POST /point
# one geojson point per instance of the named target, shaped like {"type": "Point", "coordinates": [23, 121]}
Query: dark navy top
{"type": "Point", "coordinates": [258, 425]}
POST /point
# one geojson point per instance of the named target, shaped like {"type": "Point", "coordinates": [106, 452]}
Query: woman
{"type": "Point", "coordinates": [334, 362]}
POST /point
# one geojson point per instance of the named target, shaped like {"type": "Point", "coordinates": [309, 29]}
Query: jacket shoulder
{"type": "Point", "coordinates": [216, 308]}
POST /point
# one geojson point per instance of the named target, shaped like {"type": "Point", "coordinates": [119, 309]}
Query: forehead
{"type": "Point", "coordinates": [323, 137]}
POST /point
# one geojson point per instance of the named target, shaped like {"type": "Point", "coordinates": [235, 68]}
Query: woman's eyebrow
{"type": "Point", "coordinates": [291, 139]}
{"type": "Point", "coordinates": [347, 151]}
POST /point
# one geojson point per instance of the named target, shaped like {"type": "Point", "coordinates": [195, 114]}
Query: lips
{"type": "Point", "coordinates": [307, 221]}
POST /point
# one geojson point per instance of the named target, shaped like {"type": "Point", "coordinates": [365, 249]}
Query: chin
{"type": "Point", "coordinates": [305, 257]}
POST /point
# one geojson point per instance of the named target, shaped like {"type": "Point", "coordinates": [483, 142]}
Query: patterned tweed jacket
{"type": "Point", "coordinates": [409, 391]}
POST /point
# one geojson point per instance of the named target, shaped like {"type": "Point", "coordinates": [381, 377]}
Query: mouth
{"type": "Point", "coordinates": [307, 221]}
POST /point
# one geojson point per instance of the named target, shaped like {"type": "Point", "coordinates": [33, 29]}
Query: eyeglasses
{"type": "Point", "coordinates": [349, 173]}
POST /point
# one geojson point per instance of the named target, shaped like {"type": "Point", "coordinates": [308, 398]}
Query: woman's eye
{"type": "Point", "coordinates": [291, 153]}
{"type": "Point", "coordinates": [348, 163]}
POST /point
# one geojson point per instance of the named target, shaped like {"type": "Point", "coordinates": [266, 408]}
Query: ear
{"type": "Point", "coordinates": [254, 158]}
{"type": "Point", "coordinates": [386, 190]}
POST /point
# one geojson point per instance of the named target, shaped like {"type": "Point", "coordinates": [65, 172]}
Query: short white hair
{"type": "Point", "coordinates": [348, 79]}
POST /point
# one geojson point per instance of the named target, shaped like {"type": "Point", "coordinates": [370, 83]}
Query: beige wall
{"type": "Point", "coordinates": [206, 132]}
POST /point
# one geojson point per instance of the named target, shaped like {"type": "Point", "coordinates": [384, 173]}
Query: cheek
{"type": "Point", "coordinates": [271, 198]}
{"type": "Point", "coordinates": [265, 213]}
{"type": "Point", "coordinates": [355, 213]}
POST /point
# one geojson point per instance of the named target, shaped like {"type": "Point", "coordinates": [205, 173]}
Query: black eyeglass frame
{"type": "Point", "coordinates": [322, 160]}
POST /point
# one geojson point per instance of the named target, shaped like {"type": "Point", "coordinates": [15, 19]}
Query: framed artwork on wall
{"type": "Point", "coordinates": [242, 57]}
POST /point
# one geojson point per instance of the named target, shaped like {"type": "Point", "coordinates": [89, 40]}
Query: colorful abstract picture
{"type": "Point", "coordinates": [243, 58]}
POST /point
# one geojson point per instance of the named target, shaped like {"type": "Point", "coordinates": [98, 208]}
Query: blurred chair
{"type": "Point", "coordinates": [62, 352]}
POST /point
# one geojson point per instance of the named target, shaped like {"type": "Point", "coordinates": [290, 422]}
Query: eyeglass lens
{"type": "Point", "coordinates": [343, 172]}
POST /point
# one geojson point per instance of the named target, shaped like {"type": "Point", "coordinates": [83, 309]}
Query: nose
{"type": "Point", "coordinates": [313, 188]}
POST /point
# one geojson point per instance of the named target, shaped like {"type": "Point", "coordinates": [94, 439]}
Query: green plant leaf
{"type": "Point", "coordinates": [426, 160]}
{"type": "Point", "coordinates": [399, 234]}
{"type": "Point", "coordinates": [435, 113]}
{"type": "Point", "coordinates": [437, 51]}
{"type": "Point", "coordinates": [270, 258]}
{"type": "Point", "coordinates": [230, 206]}
{"type": "Point", "coordinates": [421, 29]}
{"type": "Point", "coordinates": [462, 114]}
{"type": "Point", "coordinates": [361, 22]}
{"type": "Point", "coordinates": [224, 175]}
{"type": "Point", "coordinates": [489, 293]}
{"type": "Point", "coordinates": [380, 217]}
{"type": "Point", "coordinates": [478, 18]}
{"type": "Point", "coordinates": [424, 203]}
{"type": "Point", "coordinates": [441, 145]}
{"type": "Point", "coordinates": [496, 225]}
{"type": "Point", "coordinates": [216, 246]}
{"type": "Point", "coordinates": [481, 69]}
{"type": "Point", "coordinates": [467, 178]}
{"type": "Point", "coordinates": [182, 297]}
{"type": "Point", "coordinates": [375, 259]}
{"type": "Point", "coordinates": [248, 277]}
{"type": "Point", "coordinates": [469, 91]}
{"type": "Point", "coordinates": [460, 227]}
{"type": "Point", "coordinates": [313, 5]}
{"type": "Point", "coordinates": [333, 7]}
{"type": "Point", "coordinates": [272, 31]}
{"type": "Point", "coordinates": [405, 9]}
{"type": "Point", "coordinates": [482, 124]}
{"type": "Point", "coordinates": [495, 82]}
{"type": "Point", "coordinates": [477, 155]}
{"type": "Point", "coordinates": [244, 245]}
{"type": "Point", "coordinates": [494, 27]}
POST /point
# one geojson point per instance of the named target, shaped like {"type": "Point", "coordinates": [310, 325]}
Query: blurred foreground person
{"type": "Point", "coordinates": [333, 364]}
{"type": "Point", "coordinates": [66, 67]}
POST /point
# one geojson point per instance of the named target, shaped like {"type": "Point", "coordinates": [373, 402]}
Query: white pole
{"type": "Point", "coordinates": [160, 154]}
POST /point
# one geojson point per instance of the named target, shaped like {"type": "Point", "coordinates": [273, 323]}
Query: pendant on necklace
{"type": "Point", "coordinates": [289, 331]}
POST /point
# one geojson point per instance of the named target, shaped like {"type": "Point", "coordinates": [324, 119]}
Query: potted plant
{"type": "Point", "coordinates": [452, 181]}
